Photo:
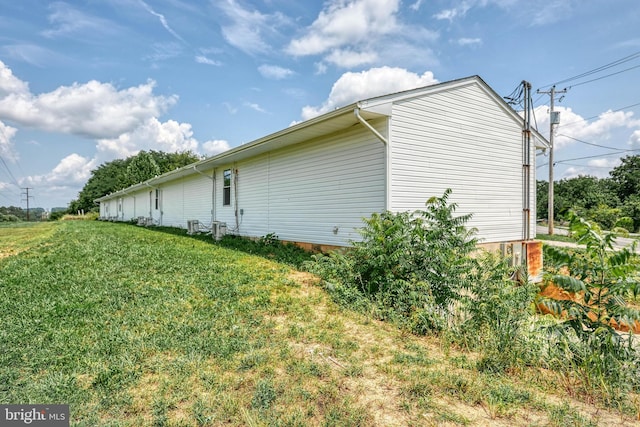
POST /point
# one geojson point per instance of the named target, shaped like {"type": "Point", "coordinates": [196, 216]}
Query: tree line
{"type": "Point", "coordinates": [610, 202]}
{"type": "Point", "coordinates": [15, 213]}
{"type": "Point", "coordinates": [122, 173]}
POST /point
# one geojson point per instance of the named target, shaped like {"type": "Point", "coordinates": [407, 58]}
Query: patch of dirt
{"type": "Point", "coordinates": [377, 388]}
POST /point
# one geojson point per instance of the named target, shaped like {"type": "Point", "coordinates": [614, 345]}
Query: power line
{"type": "Point", "coordinates": [564, 161]}
{"type": "Point", "coordinates": [588, 166]}
{"type": "Point", "coordinates": [615, 63]}
{"type": "Point", "coordinates": [13, 178]}
{"type": "Point", "coordinates": [592, 157]}
{"type": "Point", "coordinates": [595, 117]}
{"type": "Point", "coordinates": [605, 76]}
{"type": "Point", "coordinates": [6, 197]}
{"type": "Point", "coordinates": [590, 143]}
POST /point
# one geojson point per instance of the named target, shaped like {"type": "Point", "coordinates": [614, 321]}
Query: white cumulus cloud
{"type": "Point", "coordinates": [215, 146]}
{"type": "Point", "coordinates": [7, 150]}
{"type": "Point", "coordinates": [10, 84]}
{"type": "Point", "coordinates": [169, 136]}
{"type": "Point", "coordinates": [71, 171]}
{"type": "Point", "coordinates": [92, 109]}
{"type": "Point", "coordinates": [634, 139]}
{"type": "Point", "coordinates": [351, 87]}
{"type": "Point", "coordinates": [350, 33]}
{"type": "Point", "coordinates": [596, 167]}
{"type": "Point", "coordinates": [573, 126]}
{"type": "Point", "coordinates": [345, 22]}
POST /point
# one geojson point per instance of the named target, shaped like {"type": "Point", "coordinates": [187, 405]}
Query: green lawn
{"type": "Point", "coordinates": [134, 326]}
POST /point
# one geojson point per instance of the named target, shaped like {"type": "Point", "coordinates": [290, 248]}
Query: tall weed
{"type": "Point", "coordinates": [584, 341]}
{"type": "Point", "coordinates": [495, 316]}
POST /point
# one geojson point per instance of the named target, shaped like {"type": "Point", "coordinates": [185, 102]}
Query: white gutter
{"type": "Point", "coordinates": [356, 111]}
{"type": "Point", "coordinates": [195, 168]}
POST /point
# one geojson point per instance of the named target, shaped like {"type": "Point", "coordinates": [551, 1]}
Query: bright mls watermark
{"type": "Point", "coordinates": [34, 415]}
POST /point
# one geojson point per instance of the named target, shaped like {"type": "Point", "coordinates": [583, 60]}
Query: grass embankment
{"type": "Point", "coordinates": [131, 326]}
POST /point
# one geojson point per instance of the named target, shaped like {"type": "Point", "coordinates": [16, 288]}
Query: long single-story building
{"type": "Point", "coordinates": [312, 183]}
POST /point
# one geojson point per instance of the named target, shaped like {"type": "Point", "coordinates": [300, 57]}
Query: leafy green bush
{"type": "Point", "coordinates": [55, 216]}
{"type": "Point", "coordinates": [496, 316]}
{"type": "Point", "coordinates": [603, 215]}
{"type": "Point", "coordinates": [8, 218]}
{"type": "Point", "coordinates": [625, 222]}
{"type": "Point", "coordinates": [410, 266]}
{"type": "Point", "coordinates": [585, 342]}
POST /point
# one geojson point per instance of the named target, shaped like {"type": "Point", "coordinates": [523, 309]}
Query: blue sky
{"type": "Point", "coordinates": [84, 82]}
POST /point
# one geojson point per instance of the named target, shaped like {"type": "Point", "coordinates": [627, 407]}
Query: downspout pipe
{"type": "Point", "coordinates": [366, 124]}
{"type": "Point", "coordinates": [384, 141]}
{"type": "Point", "coordinates": [124, 190]}
{"type": "Point", "coordinates": [194, 167]}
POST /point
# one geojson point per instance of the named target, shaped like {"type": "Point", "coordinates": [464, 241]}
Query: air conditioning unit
{"type": "Point", "coordinates": [142, 220]}
{"type": "Point", "coordinates": [193, 226]}
{"type": "Point", "coordinates": [148, 221]}
{"type": "Point", "coordinates": [218, 229]}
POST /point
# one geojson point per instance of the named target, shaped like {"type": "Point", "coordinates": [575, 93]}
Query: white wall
{"type": "Point", "coordinates": [464, 140]}
{"type": "Point", "coordinates": [173, 203]}
{"type": "Point", "coordinates": [304, 192]}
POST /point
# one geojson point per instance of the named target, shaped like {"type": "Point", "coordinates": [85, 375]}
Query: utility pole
{"type": "Point", "coordinates": [554, 119]}
{"type": "Point", "coordinates": [27, 196]}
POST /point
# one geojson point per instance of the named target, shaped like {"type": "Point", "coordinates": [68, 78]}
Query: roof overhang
{"type": "Point", "coordinates": [308, 130]}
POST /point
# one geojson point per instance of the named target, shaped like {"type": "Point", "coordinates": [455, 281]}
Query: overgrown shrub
{"type": "Point", "coordinates": [409, 267]}
{"type": "Point", "coordinates": [8, 218]}
{"type": "Point", "coordinates": [495, 316]}
{"type": "Point", "coordinates": [625, 222]}
{"type": "Point", "coordinates": [584, 342]}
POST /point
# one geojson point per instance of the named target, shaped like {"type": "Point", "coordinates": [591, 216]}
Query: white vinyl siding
{"type": "Point", "coordinates": [253, 196]}
{"type": "Point", "coordinates": [460, 139]}
{"type": "Point", "coordinates": [128, 208]}
{"type": "Point", "coordinates": [301, 193]}
{"type": "Point", "coordinates": [198, 198]}
{"type": "Point", "coordinates": [333, 182]}
{"type": "Point", "coordinates": [173, 204]}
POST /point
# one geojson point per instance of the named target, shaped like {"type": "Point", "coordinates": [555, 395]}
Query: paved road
{"type": "Point", "coordinates": [621, 242]}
